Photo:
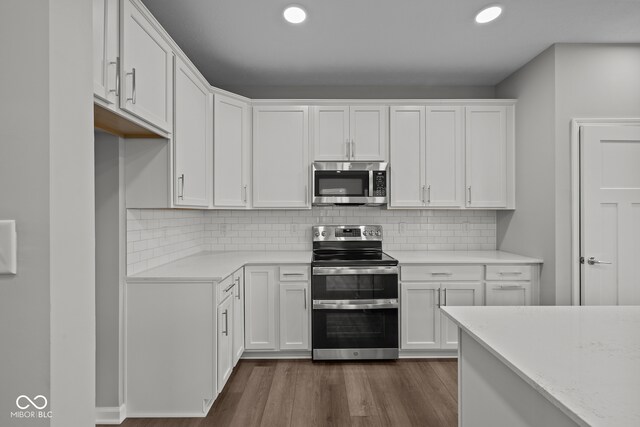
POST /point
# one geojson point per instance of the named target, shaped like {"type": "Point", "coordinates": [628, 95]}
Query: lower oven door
{"type": "Point", "coordinates": [362, 329]}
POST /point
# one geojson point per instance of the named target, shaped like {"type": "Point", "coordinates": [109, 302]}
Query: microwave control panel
{"type": "Point", "coordinates": [379, 184]}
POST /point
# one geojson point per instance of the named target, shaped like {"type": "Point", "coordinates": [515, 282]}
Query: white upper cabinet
{"type": "Point", "coordinates": [231, 153]}
{"type": "Point", "coordinates": [331, 133]}
{"type": "Point", "coordinates": [426, 157]}
{"type": "Point", "coordinates": [444, 157]}
{"type": "Point", "coordinates": [192, 138]}
{"type": "Point", "coordinates": [350, 133]}
{"type": "Point", "coordinates": [146, 69]}
{"type": "Point", "coordinates": [106, 62]}
{"type": "Point", "coordinates": [486, 157]}
{"type": "Point", "coordinates": [281, 157]}
{"type": "Point", "coordinates": [407, 160]}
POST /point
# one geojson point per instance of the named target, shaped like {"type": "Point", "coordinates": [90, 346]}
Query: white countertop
{"type": "Point", "coordinates": [585, 360]}
{"type": "Point", "coordinates": [461, 257]}
{"type": "Point", "coordinates": [215, 266]}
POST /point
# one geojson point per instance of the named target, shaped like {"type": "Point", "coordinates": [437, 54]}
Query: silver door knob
{"type": "Point", "coordinates": [593, 260]}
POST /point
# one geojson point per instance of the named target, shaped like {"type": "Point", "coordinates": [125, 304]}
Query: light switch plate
{"type": "Point", "coordinates": [8, 243]}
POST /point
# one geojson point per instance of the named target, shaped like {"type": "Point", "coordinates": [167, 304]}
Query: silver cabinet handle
{"type": "Point", "coordinates": [469, 189]}
{"type": "Point", "coordinates": [228, 288]}
{"type": "Point", "coordinates": [238, 289]}
{"type": "Point", "coordinates": [116, 90]}
{"type": "Point", "coordinates": [509, 273]}
{"type": "Point", "coordinates": [428, 193]}
{"type": "Point", "coordinates": [593, 260]}
{"type": "Point", "coordinates": [305, 298]}
{"type": "Point", "coordinates": [293, 274]}
{"type": "Point", "coordinates": [353, 149]}
{"type": "Point", "coordinates": [226, 323]}
{"type": "Point", "coordinates": [438, 297]}
{"type": "Point", "coordinates": [181, 179]}
{"type": "Point", "coordinates": [133, 86]}
{"type": "Point", "coordinates": [348, 149]}
{"type": "Point", "coordinates": [445, 297]}
{"type": "Point", "coordinates": [441, 273]}
{"type": "Point", "coordinates": [508, 287]}
{"type": "Point", "coordinates": [245, 195]}
{"type": "Point", "coordinates": [423, 187]}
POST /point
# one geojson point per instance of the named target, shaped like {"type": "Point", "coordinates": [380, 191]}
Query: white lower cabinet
{"type": "Point", "coordinates": [456, 294]}
{"type": "Point", "coordinates": [169, 348]}
{"type": "Point", "coordinates": [238, 315]}
{"type": "Point", "coordinates": [261, 293]}
{"type": "Point", "coordinates": [420, 316]}
{"type": "Point", "coordinates": [277, 308]}
{"type": "Point", "coordinates": [224, 338]}
{"type": "Point", "coordinates": [294, 316]}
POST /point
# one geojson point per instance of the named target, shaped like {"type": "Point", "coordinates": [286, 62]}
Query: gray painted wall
{"type": "Point", "coordinates": [110, 252]}
{"type": "Point", "coordinates": [592, 81]}
{"type": "Point", "coordinates": [565, 82]}
{"type": "Point", "coordinates": [24, 196]}
{"type": "Point", "coordinates": [530, 229]}
{"type": "Point", "coordinates": [364, 92]}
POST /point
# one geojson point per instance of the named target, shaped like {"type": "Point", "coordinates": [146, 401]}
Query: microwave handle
{"type": "Point", "coordinates": [370, 184]}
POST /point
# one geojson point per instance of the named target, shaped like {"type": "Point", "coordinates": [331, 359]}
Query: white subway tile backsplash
{"type": "Point", "coordinates": [158, 236]}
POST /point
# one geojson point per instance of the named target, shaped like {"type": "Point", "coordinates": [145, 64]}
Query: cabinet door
{"type": "Point", "coordinates": [420, 316]}
{"type": "Point", "coordinates": [331, 133]}
{"type": "Point", "coordinates": [192, 139]}
{"type": "Point", "coordinates": [444, 157]}
{"type": "Point", "coordinates": [146, 76]}
{"type": "Point", "coordinates": [238, 316]}
{"type": "Point", "coordinates": [509, 293]}
{"type": "Point", "coordinates": [368, 132]}
{"type": "Point", "coordinates": [225, 341]}
{"type": "Point", "coordinates": [294, 316]}
{"type": "Point", "coordinates": [260, 308]}
{"type": "Point", "coordinates": [457, 294]}
{"type": "Point", "coordinates": [169, 339]}
{"type": "Point", "coordinates": [407, 156]}
{"type": "Point", "coordinates": [231, 152]}
{"type": "Point", "coordinates": [105, 50]}
{"type": "Point", "coordinates": [486, 157]}
{"type": "Point", "coordinates": [280, 157]}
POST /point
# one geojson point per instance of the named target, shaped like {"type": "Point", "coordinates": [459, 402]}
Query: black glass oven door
{"type": "Point", "coordinates": [354, 286]}
{"type": "Point", "coordinates": [347, 329]}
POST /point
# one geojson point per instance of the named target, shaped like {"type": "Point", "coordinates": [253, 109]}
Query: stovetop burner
{"type": "Point", "coordinates": [348, 245]}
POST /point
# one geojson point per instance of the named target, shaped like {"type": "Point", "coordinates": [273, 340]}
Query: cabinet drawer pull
{"type": "Point", "coordinates": [229, 287]}
{"type": "Point", "coordinates": [508, 287]}
{"type": "Point", "coordinates": [441, 273]}
{"type": "Point", "coordinates": [508, 273]}
{"type": "Point", "coordinates": [293, 274]}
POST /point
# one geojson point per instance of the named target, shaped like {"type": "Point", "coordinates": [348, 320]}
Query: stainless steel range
{"type": "Point", "coordinates": [354, 287]}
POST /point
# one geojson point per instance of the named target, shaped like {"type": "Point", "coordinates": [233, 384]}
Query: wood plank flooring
{"type": "Point", "coordinates": [301, 393]}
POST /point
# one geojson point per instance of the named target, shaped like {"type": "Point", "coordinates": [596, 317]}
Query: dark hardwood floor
{"type": "Point", "coordinates": [301, 393]}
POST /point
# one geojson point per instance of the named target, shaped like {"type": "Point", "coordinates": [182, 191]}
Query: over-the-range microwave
{"type": "Point", "coordinates": [350, 183]}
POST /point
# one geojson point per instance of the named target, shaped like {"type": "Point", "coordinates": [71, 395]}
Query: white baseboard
{"type": "Point", "coordinates": [429, 354]}
{"type": "Point", "coordinates": [111, 414]}
{"type": "Point", "coordinates": [266, 354]}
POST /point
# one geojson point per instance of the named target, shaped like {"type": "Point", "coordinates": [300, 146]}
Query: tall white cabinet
{"type": "Point", "coordinates": [231, 157]}
{"type": "Point", "coordinates": [281, 157]}
{"type": "Point", "coordinates": [193, 142]}
{"type": "Point", "coordinates": [350, 133]}
{"type": "Point", "coordinates": [146, 73]}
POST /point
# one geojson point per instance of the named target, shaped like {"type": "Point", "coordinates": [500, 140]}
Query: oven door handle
{"type": "Point", "coordinates": [354, 304]}
{"type": "Point", "coordinates": [334, 271]}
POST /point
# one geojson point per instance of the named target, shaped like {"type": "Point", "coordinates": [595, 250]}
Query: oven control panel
{"type": "Point", "coordinates": [347, 232]}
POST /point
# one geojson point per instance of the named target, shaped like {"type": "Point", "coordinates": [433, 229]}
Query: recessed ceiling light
{"type": "Point", "coordinates": [295, 14]}
{"type": "Point", "coordinates": [488, 14]}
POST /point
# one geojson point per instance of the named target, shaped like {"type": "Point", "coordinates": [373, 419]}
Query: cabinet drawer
{"type": "Point", "coordinates": [508, 272]}
{"type": "Point", "coordinates": [508, 293]}
{"type": "Point", "coordinates": [294, 273]}
{"type": "Point", "coordinates": [440, 272]}
{"type": "Point", "coordinates": [224, 289]}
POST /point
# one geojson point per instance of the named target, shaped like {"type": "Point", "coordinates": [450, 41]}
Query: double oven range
{"type": "Point", "coordinates": [354, 288]}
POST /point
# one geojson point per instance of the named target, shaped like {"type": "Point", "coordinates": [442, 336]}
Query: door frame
{"type": "Point", "coordinates": [576, 123]}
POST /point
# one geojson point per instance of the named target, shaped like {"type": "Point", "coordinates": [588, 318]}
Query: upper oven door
{"type": "Point", "coordinates": [348, 183]}
{"type": "Point", "coordinates": [354, 283]}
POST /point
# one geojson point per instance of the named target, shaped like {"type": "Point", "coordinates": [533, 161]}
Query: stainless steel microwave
{"type": "Point", "coordinates": [350, 183]}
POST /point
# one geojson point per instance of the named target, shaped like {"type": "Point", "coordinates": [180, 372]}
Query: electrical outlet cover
{"type": "Point", "coordinates": [8, 242]}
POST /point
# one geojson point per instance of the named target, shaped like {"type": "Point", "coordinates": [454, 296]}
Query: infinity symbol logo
{"type": "Point", "coordinates": [33, 403]}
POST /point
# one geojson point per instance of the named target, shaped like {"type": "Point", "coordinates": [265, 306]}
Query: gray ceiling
{"type": "Point", "coordinates": [238, 43]}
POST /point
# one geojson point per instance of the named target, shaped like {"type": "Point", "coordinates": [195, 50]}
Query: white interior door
{"type": "Point", "coordinates": [610, 215]}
